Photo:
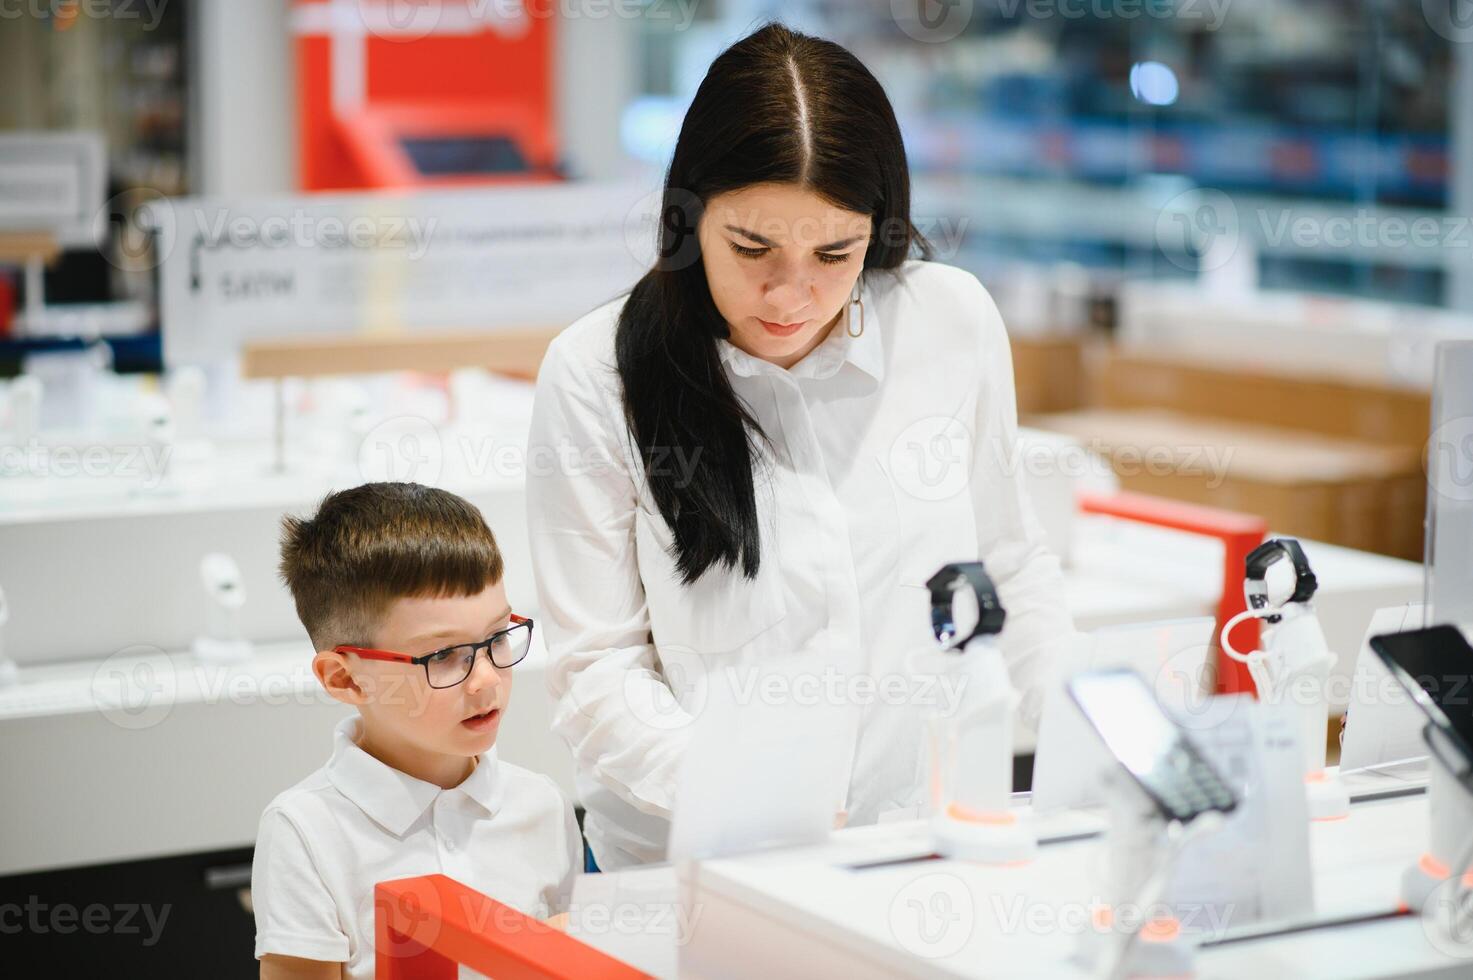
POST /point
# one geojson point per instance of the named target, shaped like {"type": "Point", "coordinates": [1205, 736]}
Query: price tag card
{"type": "Point", "coordinates": [1382, 725]}
{"type": "Point", "coordinates": [1256, 868]}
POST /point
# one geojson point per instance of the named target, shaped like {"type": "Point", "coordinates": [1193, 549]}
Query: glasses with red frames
{"type": "Point", "coordinates": [452, 665]}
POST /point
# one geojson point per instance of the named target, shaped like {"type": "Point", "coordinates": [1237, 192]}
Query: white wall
{"type": "Point", "coordinates": [597, 72]}
{"type": "Point", "coordinates": [243, 120]}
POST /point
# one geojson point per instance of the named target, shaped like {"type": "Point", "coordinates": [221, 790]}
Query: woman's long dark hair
{"type": "Point", "coordinates": [776, 107]}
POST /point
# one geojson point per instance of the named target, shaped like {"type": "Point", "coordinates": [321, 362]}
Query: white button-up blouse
{"type": "Point", "coordinates": [892, 453]}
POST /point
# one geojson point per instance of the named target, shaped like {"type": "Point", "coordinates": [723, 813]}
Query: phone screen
{"type": "Point", "coordinates": [1125, 713]}
{"type": "Point", "coordinates": [1436, 666]}
{"type": "Point", "coordinates": [1122, 710]}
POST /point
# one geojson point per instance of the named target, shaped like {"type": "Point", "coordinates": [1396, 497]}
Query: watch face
{"type": "Point", "coordinates": [964, 604]}
{"type": "Point", "coordinates": [1435, 665]}
{"type": "Point", "coordinates": [1264, 557]}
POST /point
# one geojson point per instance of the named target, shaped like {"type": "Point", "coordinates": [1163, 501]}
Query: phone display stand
{"type": "Point", "coordinates": [972, 762]}
{"type": "Point", "coordinates": [1447, 569]}
{"type": "Point", "coordinates": [1450, 802]}
{"type": "Point", "coordinates": [222, 641]}
{"type": "Point", "coordinates": [186, 388]}
{"type": "Point", "coordinates": [972, 747]}
{"type": "Point", "coordinates": [1130, 937]}
{"type": "Point", "coordinates": [1293, 667]}
{"type": "Point", "coordinates": [23, 406]}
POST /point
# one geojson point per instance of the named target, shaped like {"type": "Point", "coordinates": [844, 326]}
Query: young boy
{"type": "Point", "coordinates": [400, 588]}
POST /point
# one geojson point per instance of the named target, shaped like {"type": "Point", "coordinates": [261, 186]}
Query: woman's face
{"type": "Point", "coordinates": [781, 263]}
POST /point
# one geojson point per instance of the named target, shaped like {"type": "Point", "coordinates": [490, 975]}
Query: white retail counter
{"type": "Point", "coordinates": [875, 903]}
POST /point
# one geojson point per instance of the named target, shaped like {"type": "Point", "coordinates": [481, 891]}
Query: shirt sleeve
{"type": "Point", "coordinates": [1039, 638]}
{"type": "Point", "coordinates": [295, 913]}
{"type": "Point", "coordinates": [581, 503]}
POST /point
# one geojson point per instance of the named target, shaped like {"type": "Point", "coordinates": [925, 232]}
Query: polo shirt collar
{"type": "Point", "coordinates": [395, 799]}
{"type": "Point", "coordinates": [866, 352]}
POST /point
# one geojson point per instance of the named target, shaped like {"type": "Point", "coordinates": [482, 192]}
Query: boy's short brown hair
{"type": "Point", "coordinates": [370, 545]}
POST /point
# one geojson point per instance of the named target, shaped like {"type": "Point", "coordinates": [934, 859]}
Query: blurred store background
{"type": "Point", "coordinates": [1101, 166]}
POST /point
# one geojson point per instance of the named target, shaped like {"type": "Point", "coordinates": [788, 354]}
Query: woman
{"type": "Point", "coordinates": [768, 446]}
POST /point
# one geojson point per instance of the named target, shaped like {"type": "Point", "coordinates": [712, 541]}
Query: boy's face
{"type": "Point", "coordinates": [401, 712]}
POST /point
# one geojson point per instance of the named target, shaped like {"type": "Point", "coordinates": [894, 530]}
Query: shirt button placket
{"type": "Point", "coordinates": [835, 554]}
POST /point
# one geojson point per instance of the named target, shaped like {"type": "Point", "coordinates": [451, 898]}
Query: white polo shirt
{"type": "Point", "coordinates": [323, 844]}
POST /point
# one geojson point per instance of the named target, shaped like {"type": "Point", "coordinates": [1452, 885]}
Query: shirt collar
{"type": "Point", "coordinates": [866, 352]}
{"type": "Point", "coordinates": [395, 799]}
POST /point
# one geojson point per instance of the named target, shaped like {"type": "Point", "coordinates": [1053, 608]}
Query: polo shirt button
{"type": "Point", "coordinates": [449, 844]}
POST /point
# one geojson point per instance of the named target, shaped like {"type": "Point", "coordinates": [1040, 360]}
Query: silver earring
{"type": "Point", "coordinates": [856, 301]}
